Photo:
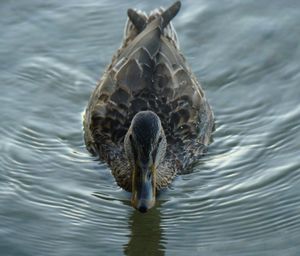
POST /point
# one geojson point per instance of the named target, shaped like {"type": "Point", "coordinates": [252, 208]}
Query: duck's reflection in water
{"type": "Point", "coordinates": [146, 235]}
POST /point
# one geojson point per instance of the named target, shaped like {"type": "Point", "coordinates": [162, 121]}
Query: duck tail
{"type": "Point", "coordinates": [167, 16]}
{"type": "Point", "coordinates": [170, 13]}
{"type": "Point", "coordinates": [138, 20]}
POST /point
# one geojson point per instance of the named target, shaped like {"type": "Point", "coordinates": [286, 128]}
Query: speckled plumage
{"type": "Point", "coordinates": [149, 72]}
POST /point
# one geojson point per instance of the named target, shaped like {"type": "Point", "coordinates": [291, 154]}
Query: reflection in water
{"type": "Point", "coordinates": [146, 235]}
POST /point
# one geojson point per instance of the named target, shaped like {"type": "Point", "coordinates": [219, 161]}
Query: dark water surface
{"type": "Point", "coordinates": [244, 196]}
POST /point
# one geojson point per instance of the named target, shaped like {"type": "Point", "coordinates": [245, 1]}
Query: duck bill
{"type": "Point", "coordinates": [143, 189]}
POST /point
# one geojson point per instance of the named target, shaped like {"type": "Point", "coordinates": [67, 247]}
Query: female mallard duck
{"type": "Point", "coordinates": [148, 117]}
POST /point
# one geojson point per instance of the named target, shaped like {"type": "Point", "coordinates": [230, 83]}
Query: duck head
{"type": "Point", "coordinates": [145, 147]}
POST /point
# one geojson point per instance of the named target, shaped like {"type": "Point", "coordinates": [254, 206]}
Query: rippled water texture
{"type": "Point", "coordinates": [242, 199]}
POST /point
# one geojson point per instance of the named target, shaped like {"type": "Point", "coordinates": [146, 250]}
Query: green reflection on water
{"type": "Point", "coordinates": [146, 236]}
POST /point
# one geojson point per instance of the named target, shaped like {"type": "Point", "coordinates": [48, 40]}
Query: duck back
{"type": "Point", "coordinates": [149, 72]}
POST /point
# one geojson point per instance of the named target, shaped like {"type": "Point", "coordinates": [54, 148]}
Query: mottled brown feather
{"type": "Point", "coordinates": [149, 73]}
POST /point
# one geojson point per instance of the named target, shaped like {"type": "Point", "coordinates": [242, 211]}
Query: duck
{"type": "Point", "coordinates": [148, 118]}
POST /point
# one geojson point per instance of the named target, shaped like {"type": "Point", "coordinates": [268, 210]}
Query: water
{"type": "Point", "coordinates": [242, 199]}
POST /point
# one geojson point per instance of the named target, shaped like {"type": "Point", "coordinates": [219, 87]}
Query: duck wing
{"type": "Point", "coordinates": [116, 97]}
{"type": "Point", "coordinates": [149, 72]}
{"type": "Point", "coordinates": [185, 113]}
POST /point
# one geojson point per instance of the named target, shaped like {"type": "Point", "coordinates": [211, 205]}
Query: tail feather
{"type": "Point", "coordinates": [170, 13]}
{"type": "Point", "coordinates": [138, 21]}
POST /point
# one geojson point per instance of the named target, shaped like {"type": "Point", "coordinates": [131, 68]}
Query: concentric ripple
{"type": "Point", "coordinates": [242, 198]}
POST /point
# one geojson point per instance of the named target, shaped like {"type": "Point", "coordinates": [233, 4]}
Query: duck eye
{"type": "Point", "coordinates": [134, 151]}
{"type": "Point", "coordinates": [130, 138]}
{"type": "Point", "coordinates": [154, 152]}
{"type": "Point", "coordinates": [159, 140]}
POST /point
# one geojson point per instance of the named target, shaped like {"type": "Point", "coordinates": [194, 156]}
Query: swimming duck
{"type": "Point", "coordinates": [148, 117]}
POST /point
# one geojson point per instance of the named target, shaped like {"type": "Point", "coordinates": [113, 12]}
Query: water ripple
{"type": "Point", "coordinates": [242, 198]}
